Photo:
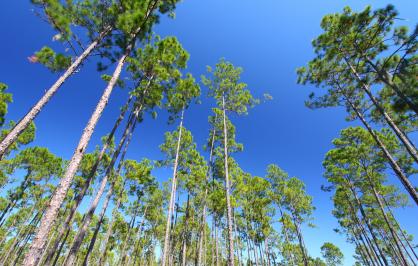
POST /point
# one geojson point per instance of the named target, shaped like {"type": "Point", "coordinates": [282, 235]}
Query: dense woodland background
{"type": "Point", "coordinates": [357, 207]}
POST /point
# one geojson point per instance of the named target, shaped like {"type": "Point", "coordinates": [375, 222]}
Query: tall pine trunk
{"type": "Point", "coordinates": [366, 220]}
{"type": "Point", "coordinates": [209, 177]}
{"type": "Point", "coordinates": [386, 78]}
{"type": "Point", "coordinates": [185, 232]}
{"type": "Point", "coordinates": [405, 238]}
{"type": "Point", "coordinates": [50, 216]}
{"type": "Point", "coordinates": [395, 166]}
{"type": "Point", "coordinates": [231, 261]}
{"type": "Point", "coordinates": [401, 135]}
{"type": "Point", "coordinates": [86, 185]}
{"type": "Point", "coordinates": [126, 137]}
{"type": "Point", "coordinates": [388, 223]}
{"type": "Point", "coordinates": [36, 109]}
{"type": "Point", "coordinates": [172, 196]}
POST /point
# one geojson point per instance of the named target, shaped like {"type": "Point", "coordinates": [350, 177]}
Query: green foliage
{"type": "Point", "coordinates": [225, 84]}
{"type": "Point", "coordinates": [53, 61]}
{"type": "Point", "coordinates": [5, 99]}
{"type": "Point", "coordinates": [332, 254]}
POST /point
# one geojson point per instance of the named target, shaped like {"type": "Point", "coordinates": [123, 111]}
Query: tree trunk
{"type": "Point", "coordinates": [231, 261]}
{"type": "Point", "coordinates": [386, 78]}
{"type": "Point", "coordinates": [203, 225]}
{"type": "Point", "coordinates": [185, 233]}
{"type": "Point", "coordinates": [396, 168]}
{"type": "Point", "coordinates": [216, 246]}
{"type": "Point", "coordinates": [48, 220]}
{"type": "Point", "coordinates": [138, 237]}
{"type": "Point", "coordinates": [366, 220]}
{"type": "Point", "coordinates": [401, 135]}
{"type": "Point", "coordinates": [100, 222]}
{"type": "Point", "coordinates": [389, 224]}
{"type": "Point", "coordinates": [402, 232]}
{"type": "Point", "coordinates": [127, 136]}
{"type": "Point", "coordinates": [34, 111]}
{"type": "Point", "coordinates": [86, 185]}
{"type": "Point", "coordinates": [14, 198]}
{"type": "Point", "coordinates": [172, 196]}
{"type": "Point", "coordinates": [301, 242]}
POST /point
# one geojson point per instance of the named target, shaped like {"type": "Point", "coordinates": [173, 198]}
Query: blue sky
{"type": "Point", "coordinates": [268, 38]}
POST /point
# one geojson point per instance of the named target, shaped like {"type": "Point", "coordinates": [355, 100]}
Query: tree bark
{"type": "Point", "coordinates": [389, 224]}
{"type": "Point", "coordinates": [172, 196]}
{"type": "Point", "coordinates": [400, 229]}
{"type": "Point", "coordinates": [203, 225]}
{"type": "Point", "coordinates": [185, 233]}
{"type": "Point", "coordinates": [366, 220]}
{"type": "Point", "coordinates": [48, 220]}
{"type": "Point", "coordinates": [396, 168]}
{"type": "Point", "coordinates": [386, 78]}
{"type": "Point", "coordinates": [34, 111]}
{"type": "Point", "coordinates": [231, 261]}
{"type": "Point", "coordinates": [401, 135]}
{"type": "Point", "coordinates": [126, 137]}
{"type": "Point", "coordinates": [87, 183]}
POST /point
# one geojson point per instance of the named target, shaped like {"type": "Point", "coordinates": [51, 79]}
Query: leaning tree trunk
{"type": "Point", "coordinates": [86, 185]}
{"type": "Point", "coordinates": [127, 135]}
{"type": "Point", "coordinates": [100, 222]}
{"type": "Point", "coordinates": [172, 196]}
{"type": "Point", "coordinates": [386, 78]}
{"type": "Point", "coordinates": [400, 229]}
{"type": "Point", "coordinates": [389, 224]}
{"type": "Point", "coordinates": [362, 230]}
{"type": "Point", "coordinates": [401, 135]}
{"type": "Point", "coordinates": [48, 220]}
{"type": "Point", "coordinates": [395, 166]}
{"type": "Point", "coordinates": [366, 220]}
{"type": "Point", "coordinates": [231, 261]}
{"type": "Point", "coordinates": [138, 236]}
{"type": "Point", "coordinates": [34, 111]}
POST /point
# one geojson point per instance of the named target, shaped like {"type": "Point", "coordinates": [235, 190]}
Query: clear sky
{"type": "Point", "coordinates": [268, 38]}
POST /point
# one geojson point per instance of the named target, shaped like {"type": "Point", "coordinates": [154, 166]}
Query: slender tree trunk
{"type": "Point", "coordinates": [402, 232]}
{"type": "Point", "coordinates": [14, 198]}
{"type": "Point", "coordinates": [48, 220]}
{"type": "Point", "coordinates": [301, 242]}
{"type": "Point", "coordinates": [216, 246]}
{"type": "Point", "coordinates": [34, 111]}
{"type": "Point", "coordinates": [127, 136]}
{"type": "Point", "coordinates": [138, 236]}
{"type": "Point", "coordinates": [389, 224]}
{"type": "Point", "coordinates": [366, 220]}
{"type": "Point", "coordinates": [386, 78]}
{"type": "Point", "coordinates": [203, 225]}
{"type": "Point", "coordinates": [364, 257]}
{"type": "Point", "coordinates": [185, 232]}
{"type": "Point", "coordinates": [257, 261]}
{"type": "Point", "coordinates": [6, 253]}
{"type": "Point", "coordinates": [102, 258]}
{"type": "Point", "coordinates": [396, 168]}
{"type": "Point", "coordinates": [123, 254]}
{"type": "Point", "coordinates": [172, 196]}
{"type": "Point", "coordinates": [67, 223]}
{"type": "Point", "coordinates": [286, 235]}
{"type": "Point", "coordinates": [100, 222]}
{"type": "Point", "coordinates": [267, 252]}
{"type": "Point", "coordinates": [401, 135]}
{"type": "Point", "coordinates": [231, 261]}
{"type": "Point", "coordinates": [363, 244]}
{"type": "Point", "coordinates": [362, 230]}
